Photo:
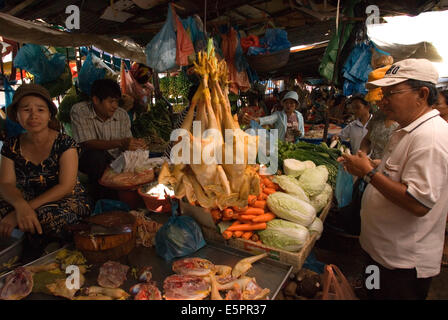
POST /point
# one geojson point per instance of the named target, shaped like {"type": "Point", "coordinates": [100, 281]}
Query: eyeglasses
{"type": "Point", "coordinates": [390, 93]}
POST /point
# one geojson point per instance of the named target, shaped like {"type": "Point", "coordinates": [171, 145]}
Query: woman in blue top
{"type": "Point", "coordinates": [288, 122]}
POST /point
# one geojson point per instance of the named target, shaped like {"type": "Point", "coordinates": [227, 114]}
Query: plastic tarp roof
{"type": "Point", "coordinates": [412, 37]}
{"type": "Point", "coordinates": [29, 32]}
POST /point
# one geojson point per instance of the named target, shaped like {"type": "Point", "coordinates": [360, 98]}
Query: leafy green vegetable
{"type": "Point", "coordinates": [306, 151]}
{"type": "Point", "coordinates": [284, 235]}
{"type": "Point", "coordinates": [316, 227]}
{"type": "Point", "coordinates": [320, 201]}
{"type": "Point", "coordinates": [155, 122]}
{"type": "Point", "coordinates": [291, 186]}
{"type": "Point", "coordinates": [291, 208]}
{"type": "Point", "coordinates": [313, 180]}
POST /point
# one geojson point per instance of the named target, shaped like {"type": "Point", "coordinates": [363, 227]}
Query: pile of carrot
{"type": "Point", "coordinates": [250, 219]}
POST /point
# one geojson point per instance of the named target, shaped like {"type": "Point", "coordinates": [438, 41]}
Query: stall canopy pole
{"type": "Point", "coordinates": [21, 71]}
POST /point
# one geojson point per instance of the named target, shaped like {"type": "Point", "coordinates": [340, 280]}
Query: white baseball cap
{"type": "Point", "coordinates": [291, 95]}
{"type": "Point", "coordinates": [416, 69]}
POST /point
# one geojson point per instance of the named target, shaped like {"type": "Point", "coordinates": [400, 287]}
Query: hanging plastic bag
{"type": "Point", "coordinates": [93, 69]}
{"type": "Point", "coordinates": [179, 237]}
{"type": "Point", "coordinates": [60, 85]}
{"type": "Point", "coordinates": [161, 50]}
{"type": "Point", "coordinates": [336, 285]}
{"type": "Point", "coordinates": [38, 61]}
{"type": "Point", "coordinates": [12, 128]}
{"type": "Point", "coordinates": [275, 40]}
{"type": "Point", "coordinates": [184, 46]}
{"type": "Point", "coordinates": [344, 187]}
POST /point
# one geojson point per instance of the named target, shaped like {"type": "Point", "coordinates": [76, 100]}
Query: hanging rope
{"type": "Point", "coordinates": [337, 16]}
{"type": "Point", "coordinates": [205, 17]}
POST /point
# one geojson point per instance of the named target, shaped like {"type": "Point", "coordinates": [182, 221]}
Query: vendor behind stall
{"type": "Point", "coordinates": [103, 131]}
{"type": "Point", "coordinates": [357, 129]}
{"type": "Point", "coordinates": [288, 122]}
{"type": "Point", "coordinates": [38, 173]}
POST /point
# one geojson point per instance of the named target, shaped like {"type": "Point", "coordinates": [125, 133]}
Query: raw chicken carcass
{"type": "Point", "coordinates": [17, 285]}
{"type": "Point", "coordinates": [145, 291]}
{"type": "Point", "coordinates": [193, 267]}
{"type": "Point", "coordinates": [182, 287]}
{"type": "Point", "coordinates": [112, 274]}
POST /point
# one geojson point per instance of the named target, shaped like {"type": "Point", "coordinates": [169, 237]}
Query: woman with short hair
{"type": "Point", "coordinates": [39, 187]}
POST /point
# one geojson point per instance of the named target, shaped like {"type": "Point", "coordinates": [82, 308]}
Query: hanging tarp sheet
{"type": "Point", "coordinates": [29, 32]}
{"type": "Point", "coordinates": [411, 37]}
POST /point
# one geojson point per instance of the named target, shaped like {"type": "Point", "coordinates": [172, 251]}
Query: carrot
{"type": "Point", "coordinates": [251, 199]}
{"type": "Point", "coordinates": [260, 204]}
{"type": "Point", "coordinates": [264, 217]}
{"type": "Point", "coordinates": [236, 223]}
{"type": "Point", "coordinates": [255, 237]}
{"type": "Point", "coordinates": [246, 235]}
{"type": "Point", "coordinates": [216, 214]}
{"type": "Point", "coordinates": [238, 209]}
{"type": "Point", "coordinates": [248, 227]}
{"type": "Point", "coordinates": [247, 216]}
{"type": "Point", "coordinates": [227, 218]}
{"type": "Point", "coordinates": [227, 234]}
{"type": "Point", "coordinates": [227, 213]}
{"type": "Point", "coordinates": [252, 211]}
{"type": "Point", "coordinates": [267, 182]}
{"type": "Point", "coordinates": [238, 234]}
{"type": "Point", "coordinates": [259, 242]}
{"type": "Point", "coordinates": [269, 191]}
{"type": "Point", "coordinates": [262, 196]}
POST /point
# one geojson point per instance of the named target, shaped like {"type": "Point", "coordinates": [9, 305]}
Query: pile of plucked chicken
{"type": "Point", "coordinates": [217, 182]}
{"type": "Point", "coordinates": [194, 279]}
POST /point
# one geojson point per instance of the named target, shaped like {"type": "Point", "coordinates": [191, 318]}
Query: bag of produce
{"type": "Point", "coordinates": [179, 237]}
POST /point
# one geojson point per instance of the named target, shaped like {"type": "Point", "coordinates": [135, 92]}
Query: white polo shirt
{"type": "Point", "coordinates": [355, 131]}
{"type": "Point", "coordinates": [417, 156]}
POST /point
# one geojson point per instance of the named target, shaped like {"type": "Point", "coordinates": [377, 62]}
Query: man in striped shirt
{"type": "Point", "coordinates": [103, 130]}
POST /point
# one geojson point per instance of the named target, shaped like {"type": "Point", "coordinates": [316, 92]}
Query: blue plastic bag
{"type": "Point", "coordinates": [275, 40]}
{"type": "Point", "coordinates": [38, 61]}
{"type": "Point", "coordinates": [179, 237]}
{"type": "Point", "coordinates": [161, 50]}
{"type": "Point", "coordinates": [12, 128]}
{"type": "Point", "coordinates": [88, 74]}
{"type": "Point", "coordinates": [344, 187]}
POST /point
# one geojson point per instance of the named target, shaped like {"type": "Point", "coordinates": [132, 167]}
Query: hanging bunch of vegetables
{"type": "Point", "coordinates": [175, 87]}
{"type": "Point", "coordinates": [154, 124]}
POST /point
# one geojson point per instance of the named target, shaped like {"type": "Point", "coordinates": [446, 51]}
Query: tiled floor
{"type": "Point", "coordinates": [346, 254]}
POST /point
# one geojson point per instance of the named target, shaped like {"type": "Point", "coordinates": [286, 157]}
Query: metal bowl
{"type": "Point", "coordinates": [11, 247]}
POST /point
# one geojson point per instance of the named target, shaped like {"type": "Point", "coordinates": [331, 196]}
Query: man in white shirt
{"type": "Point", "coordinates": [356, 130]}
{"type": "Point", "coordinates": [405, 204]}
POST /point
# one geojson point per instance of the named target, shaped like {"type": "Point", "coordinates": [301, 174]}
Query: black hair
{"type": "Point", "coordinates": [105, 88]}
{"type": "Point", "coordinates": [433, 94]}
{"type": "Point", "coordinates": [252, 99]}
{"type": "Point", "coordinates": [359, 97]}
{"type": "Point", "coordinates": [444, 93]}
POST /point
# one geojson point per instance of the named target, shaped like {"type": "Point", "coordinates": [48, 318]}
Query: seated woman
{"type": "Point", "coordinates": [38, 173]}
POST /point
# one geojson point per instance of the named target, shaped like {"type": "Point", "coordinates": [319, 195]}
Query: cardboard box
{"type": "Point", "coordinates": [211, 232]}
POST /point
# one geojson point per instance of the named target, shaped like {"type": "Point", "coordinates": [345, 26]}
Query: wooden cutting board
{"type": "Point", "coordinates": [98, 249]}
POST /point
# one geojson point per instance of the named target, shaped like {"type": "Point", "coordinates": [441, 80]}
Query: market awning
{"type": "Point", "coordinates": [29, 32]}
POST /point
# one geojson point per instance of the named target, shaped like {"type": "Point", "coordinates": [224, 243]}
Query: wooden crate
{"type": "Point", "coordinates": [211, 232]}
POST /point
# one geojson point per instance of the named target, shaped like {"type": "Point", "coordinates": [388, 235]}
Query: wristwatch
{"type": "Point", "coordinates": [368, 177]}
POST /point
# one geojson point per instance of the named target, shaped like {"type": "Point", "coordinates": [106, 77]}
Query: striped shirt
{"type": "Point", "coordinates": [87, 125]}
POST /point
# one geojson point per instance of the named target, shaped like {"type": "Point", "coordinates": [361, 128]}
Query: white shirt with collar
{"type": "Point", "coordinates": [355, 131]}
{"type": "Point", "coordinates": [416, 156]}
{"type": "Point", "coordinates": [87, 125]}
